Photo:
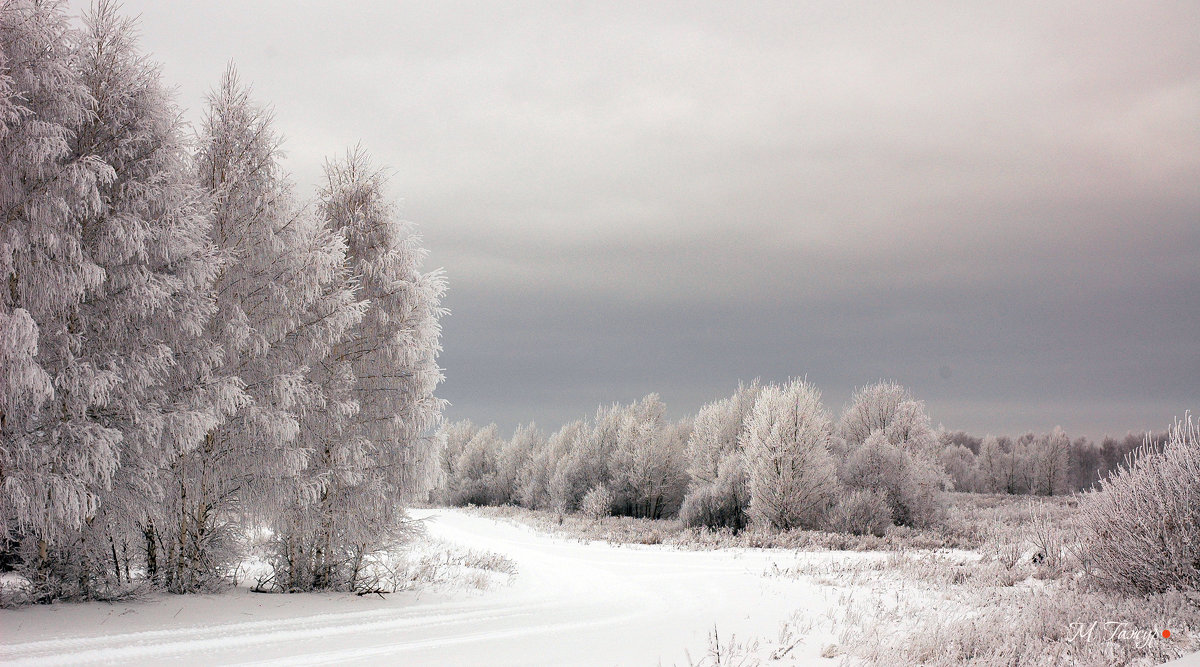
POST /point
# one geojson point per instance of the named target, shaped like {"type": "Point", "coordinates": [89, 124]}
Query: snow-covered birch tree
{"type": "Point", "coordinates": [109, 272]}
{"type": "Point", "coordinates": [587, 464]}
{"type": "Point", "coordinates": [282, 301]}
{"type": "Point", "coordinates": [392, 353]}
{"type": "Point", "coordinates": [891, 408]}
{"type": "Point", "coordinates": [146, 320]}
{"type": "Point", "coordinates": [717, 432]}
{"type": "Point", "coordinates": [374, 441]}
{"type": "Point", "coordinates": [536, 492]}
{"type": "Point", "coordinates": [1050, 459]}
{"type": "Point", "coordinates": [884, 423]}
{"type": "Point", "coordinates": [514, 462]}
{"type": "Point", "coordinates": [56, 457]}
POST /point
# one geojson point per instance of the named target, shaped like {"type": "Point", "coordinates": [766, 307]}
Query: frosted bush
{"type": "Point", "coordinates": [860, 512]}
{"type": "Point", "coordinates": [910, 482]}
{"type": "Point", "coordinates": [597, 502]}
{"type": "Point", "coordinates": [1143, 525]}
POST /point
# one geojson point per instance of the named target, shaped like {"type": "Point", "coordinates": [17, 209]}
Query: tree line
{"type": "Point", "coordinates": [768, 453]}
{"type": "Point", "coordinates": [188, 349]}
{"type": "Point", "coordinates": [1047, 464]}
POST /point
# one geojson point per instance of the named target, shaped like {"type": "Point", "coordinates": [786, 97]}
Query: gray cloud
{"type": "Point", "coordinates": [995, 203]}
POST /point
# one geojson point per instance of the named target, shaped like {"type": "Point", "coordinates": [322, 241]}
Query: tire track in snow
{"type": "Point", "coordinates": [153, 643]}
{"type": "Point", "coordinates": [343, 656]}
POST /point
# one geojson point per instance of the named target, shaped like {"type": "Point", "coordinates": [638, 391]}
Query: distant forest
{"type": "Point", "coordinates": [1087, 461]}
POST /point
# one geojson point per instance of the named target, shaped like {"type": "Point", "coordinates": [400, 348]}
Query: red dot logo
{"type": "Point", "coordinates": [1166, 634]}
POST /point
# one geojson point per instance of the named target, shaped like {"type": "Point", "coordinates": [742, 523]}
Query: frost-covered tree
{"type": "Point", "coordinates": [1003, 464]}
{"type": "Point", "coordinates": [716, 493]}
{"type": "Point", "coordinates": [909, 482]}
{"type": "Point", "coordinates": [514, 461]}
{"type": "Point", "coordinates": [890, 408]}
{"type": "Point", "coordinates": [535, 493]}
{"type": "Point", "coordinates": [880, 466]}
{"type": "Point", "coordinates": [282, 302]}
{"type": "Point", "coordinates": [648, 463]}
{"type": "Point", "coordinates": [392, 353]}
{"type": "Point", "coordinates": [56, 457]}
{"type": "Point", "coordinates": [106, 251]}
{"type": "Point", "coordinates": [379, 445]}
{"type": "Point", "coordinates": [989, 466]}
{"type": "Point", "coordinates": [1023, 450]}
{"type": "Point", "coordinates": [872, 408]}
{"type": "Point", "coordinates": [455, 436]}
{"type": "Point", "coordinates": [721, 503]}
{"type": "Point", "coordinates": [146, 320]}
{"type": "Point", "coordinates": [717, 431]}
{"type": "Point", "coordinates": [587, 464]}
{"type": "Point", "coordinates": [959, 463]}
{"type": "Point", "coordinates": [903, 446]}
{"type": "Point", "coordinates": [183, 346]}
{"type": "Point", "coordinates": [1050, 463]}
{"type": "Point", "coordinates": [334, 513]}
{"type": "Point", "coordinates": [475, 480]}
{"type": "Point", "coordinates": [791, 472]}
{"type": "Point", "coordinates": [473, 469]}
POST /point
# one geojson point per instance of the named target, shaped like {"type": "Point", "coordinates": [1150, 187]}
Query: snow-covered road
{"type": "Point", "coordinates": [571, 603]}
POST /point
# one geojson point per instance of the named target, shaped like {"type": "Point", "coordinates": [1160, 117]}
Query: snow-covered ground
{"type": "Point", "coordinates": [571, 603]}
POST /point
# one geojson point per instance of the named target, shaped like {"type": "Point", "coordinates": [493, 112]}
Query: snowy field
{"type": "Point", "coordinates": [571, 603]}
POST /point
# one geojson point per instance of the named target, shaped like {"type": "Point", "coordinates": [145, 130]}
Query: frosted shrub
{"type": "Point", "coordinates": [860, 512]}
{"type": "Point", "coordinates": [1047, 540]}
{"type": "Point", "coordinates": [597, 502]}
{"type": "Point", "coordinates": [910, 484]}
{"type": "Point", "coordinates": [1143, 525]}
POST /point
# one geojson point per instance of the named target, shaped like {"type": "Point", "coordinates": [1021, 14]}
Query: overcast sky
{"type": "Point", "coordinates": [996, 204]}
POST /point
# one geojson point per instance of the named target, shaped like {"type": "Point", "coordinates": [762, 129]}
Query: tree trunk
{"type": "Point", "coordinates": [151, 553]}
{"type": "Point", "coordinates": [116, 561]}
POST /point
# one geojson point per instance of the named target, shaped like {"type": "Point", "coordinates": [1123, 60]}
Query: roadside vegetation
{"type": "Point", "coordinates": [973, 522]}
